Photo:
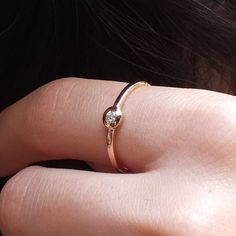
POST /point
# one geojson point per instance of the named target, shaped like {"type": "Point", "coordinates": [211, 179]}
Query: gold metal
{"type": "Point", "coordinates": [113, 117]}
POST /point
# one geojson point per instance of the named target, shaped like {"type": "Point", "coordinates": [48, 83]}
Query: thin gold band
{"type": "Point", "coordinates": [113, 117]}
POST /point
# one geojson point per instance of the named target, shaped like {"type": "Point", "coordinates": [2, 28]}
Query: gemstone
{"type": "Point", "coordinates": [112, 117]}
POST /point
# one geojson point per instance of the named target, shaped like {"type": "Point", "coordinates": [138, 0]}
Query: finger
{"type": "Point", "coordinates": [40, 201]}
{"type": "Point", "coordinates": [64, 120]}
{"type": "Point", "coordinates": [193, 201]}
{"type": "Point", "coordinates": [60, 120]}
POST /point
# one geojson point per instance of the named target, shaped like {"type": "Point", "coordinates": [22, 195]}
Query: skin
{"type": "Point", "coordinates": [179, 144]}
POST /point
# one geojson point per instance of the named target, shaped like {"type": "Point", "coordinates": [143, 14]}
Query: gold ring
{"type": "Point", "coordinates": [113, 117]}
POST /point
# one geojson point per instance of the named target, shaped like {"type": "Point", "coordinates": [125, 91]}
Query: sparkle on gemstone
{"type": "Point", "coordinates": [111, 118]}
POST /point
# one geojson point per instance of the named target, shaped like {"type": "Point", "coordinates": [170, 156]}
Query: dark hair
{"type": "Point", "coordinates": [185, 43]}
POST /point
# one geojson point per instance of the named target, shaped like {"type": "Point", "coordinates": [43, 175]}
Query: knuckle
{"type": "Point", "coordinates": [214, 115]}
{"type": "Point", "coordinates": [12, 199]}
{"type": "Point", "coordinates": [221, 119]}
{"type": "Point", "coordinates": [205, 123]}
{"type": "Point", "coordinates": [226, 129]}
{"type": "Point", "coordinates": [214, 126]}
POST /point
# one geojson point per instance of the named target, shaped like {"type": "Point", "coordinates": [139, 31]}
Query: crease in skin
{"type": "Point", "coordinates": [70, 92]}
{"type": "Point", "coordinates": [142, 212]}
{"type": "Point", "coordinates": [56, 101]}
{"type": "Point", "coordinates": [12, 190]}
{"type": "Point", "coordinates": [23, 198]}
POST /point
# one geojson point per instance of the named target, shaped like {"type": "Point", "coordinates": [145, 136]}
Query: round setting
{"type": "Point", "coordinates": [112, 117]}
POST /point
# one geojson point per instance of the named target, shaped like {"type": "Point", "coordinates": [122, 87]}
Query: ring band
{"type": "Point", "coordinates": [113, 117]}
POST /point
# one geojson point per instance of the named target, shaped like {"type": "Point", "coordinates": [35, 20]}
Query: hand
{"type": "Point", "coordinates": [179, 142]}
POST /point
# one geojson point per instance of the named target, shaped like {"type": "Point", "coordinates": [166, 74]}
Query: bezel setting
{"type": "Point", "coordinates": [112, 117]}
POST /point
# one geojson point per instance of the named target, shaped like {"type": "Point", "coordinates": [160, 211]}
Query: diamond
{"type": "Point", "coordinates": [112, 117]}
